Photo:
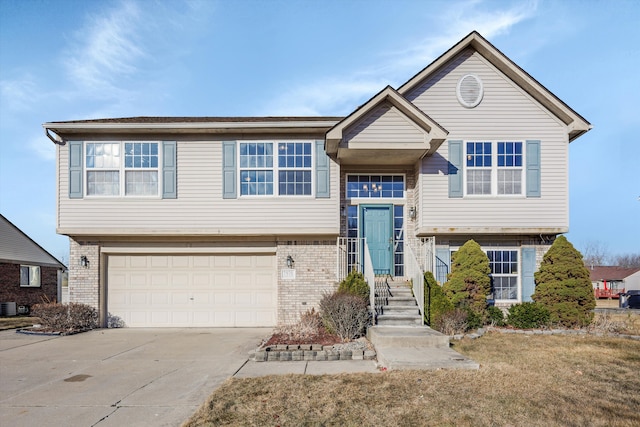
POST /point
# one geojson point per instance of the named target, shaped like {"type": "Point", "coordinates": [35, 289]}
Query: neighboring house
{"type": "Point", "coordinates": [609, 281]}
{"type": "Point", "coordinates": [28, 273]}
{"type": "Point", "coordinates": [233, 221]}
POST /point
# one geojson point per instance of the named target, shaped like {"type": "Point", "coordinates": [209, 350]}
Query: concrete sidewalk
{"type": "Point", "coordinates": [253, 369]}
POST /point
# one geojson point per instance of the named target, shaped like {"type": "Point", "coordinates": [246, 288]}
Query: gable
{"type": "Point", "coordinates": [384, 125]}
{"type": "Point", "coordinates": [576, 124]}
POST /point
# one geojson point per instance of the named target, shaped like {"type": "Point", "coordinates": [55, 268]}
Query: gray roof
{"type": "Point", "coordinates": [16, 247]}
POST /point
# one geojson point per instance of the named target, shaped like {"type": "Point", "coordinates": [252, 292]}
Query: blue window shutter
{"type": "Point", "coordinates": [528, 268]}
{"type": "Point", "coordinates": [76, 161]}
{"type": "Point", "coordinates": [533, 168]}
{"type": "Point", "coordinates": [443, 264]}
{"type": "Point", "coordinates": [455, 169]}
{"type": "Point", "coordinates": [323, 174]}
{"type": "Point", "coordinates": [229, 175]}
{"type": "Point", "coordinates": [169, 170]}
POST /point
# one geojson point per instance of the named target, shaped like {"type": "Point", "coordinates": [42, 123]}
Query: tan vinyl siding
{"type": "Point", "coordinates": [199, 207]}
{"type": "Point", "coordinates": [385, 125]}
{"type": "Point", "coordinates": [506, 113]}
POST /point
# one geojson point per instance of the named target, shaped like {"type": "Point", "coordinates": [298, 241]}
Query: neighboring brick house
{"type": "Point", "coordinates": [608, 281]}
{"type": "Point", "coordinates": [247, 221]}
{"type": "Point", "coordinates": [28, 273]}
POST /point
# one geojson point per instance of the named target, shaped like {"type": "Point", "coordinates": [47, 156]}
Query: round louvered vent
{"type": "Point", "coordinates": [469, 90]}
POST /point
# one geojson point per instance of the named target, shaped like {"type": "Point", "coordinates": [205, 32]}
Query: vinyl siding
{"type": "Point", "coordinates": [385, 125]}
{"type": "Point", "coordinates": [506, 113]}
{"type": "Point", "coordinates": [199, 206]}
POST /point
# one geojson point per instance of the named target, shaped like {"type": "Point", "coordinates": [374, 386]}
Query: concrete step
{"type": "Point", "coordinates": [408, 336]}
{"type": "Point", "coordinates": [425, 358]}
{"type": "Point", "coordinates": [401, 300]}
{"type": "Point", "coordinates": [401, 309]}
{"type": "Point", "coordinates": [399, 319]}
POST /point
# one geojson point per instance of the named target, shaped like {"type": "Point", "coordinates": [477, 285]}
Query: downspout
{"type": "Point", "coordinates": [57, 139]}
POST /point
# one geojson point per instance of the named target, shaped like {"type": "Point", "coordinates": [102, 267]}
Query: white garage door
{"type": "Point", "coordinates": [192, 290]}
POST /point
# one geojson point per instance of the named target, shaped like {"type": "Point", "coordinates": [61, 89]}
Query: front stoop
{"type": "Point", "coordinates": [415, 347]}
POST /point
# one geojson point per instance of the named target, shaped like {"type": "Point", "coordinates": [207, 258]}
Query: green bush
{"type": "Point", "coordinates": [495, 316]}
{"type": "Point", "coordinates": [564, 287]}
{"type": "Point", "coordinates": [435, 300]}
{"type": "Point", "coordinates": [354, 284]}
{"type": "Point", "coordinates": [344, 314]}
{"type": "Point", "coordinates": [72, 317]}
{"type": "Point", "coordinates": [528, 315]}
{"type": "Point", "coordinates": [469, 284]}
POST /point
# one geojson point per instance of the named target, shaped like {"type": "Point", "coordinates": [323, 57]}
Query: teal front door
{"type": "Point", "coordinates": [377, 227]}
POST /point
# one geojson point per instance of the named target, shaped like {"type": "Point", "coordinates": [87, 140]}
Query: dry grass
{"type": "Point", "coordinates": [523, 381]}
{"type": "Point", "coordinates": [621, 323]}
{"type": "Point", "coordinates": [15, 322]}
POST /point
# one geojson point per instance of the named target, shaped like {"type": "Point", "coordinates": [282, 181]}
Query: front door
{"type": "Point", "coordinates": [377, 227]}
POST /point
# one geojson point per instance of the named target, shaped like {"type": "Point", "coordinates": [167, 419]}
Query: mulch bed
{"type": "Point", "coordinates": [321, 337]}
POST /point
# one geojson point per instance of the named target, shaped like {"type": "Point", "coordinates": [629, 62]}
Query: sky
{"type": "Point", "coordinates": [74, 59]}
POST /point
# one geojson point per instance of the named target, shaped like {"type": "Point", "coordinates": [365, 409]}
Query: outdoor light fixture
{"type": "Point", "coordinates": [412, 212]}
{"type": "Point", "coordinates": [84, 262]}
{"type": "Point", "coordinates": [290, 261]}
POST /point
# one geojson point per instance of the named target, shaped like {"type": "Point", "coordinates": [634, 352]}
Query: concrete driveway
{"type": "Point", "coordinates": [116, 377]}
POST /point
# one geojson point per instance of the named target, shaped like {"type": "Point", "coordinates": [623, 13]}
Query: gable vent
{"type": "Point", "coordinates": [469, 90]}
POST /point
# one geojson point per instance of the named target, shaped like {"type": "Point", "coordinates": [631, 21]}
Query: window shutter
{"type": "Point", "coordinates": [443, 264]}
{"type": "Point", "coordinates": [169, 170]}
{"type": "Point", "coordinates": [76, 161]}
{"type": "Point", "coordinates": [528, 268]}
{"type": "Point", "coordinates": [229, 175]}
{"type": "Point", "coordinates": [455, 169]}
{"type": "Point", "coordinates": [323, 176]}
{"type": "Point", "coordinates": [533, 168]}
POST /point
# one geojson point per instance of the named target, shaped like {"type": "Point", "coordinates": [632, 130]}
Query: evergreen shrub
{"type": "Point", "coordinates": [528, 315]}
{"type": "Point", "coordinates": [354, 284]}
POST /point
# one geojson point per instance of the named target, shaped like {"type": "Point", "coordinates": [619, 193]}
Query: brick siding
{"type": "Point", "coordinates": [84, 283]}
{"type": "Point", "coordinates": [11, 291]}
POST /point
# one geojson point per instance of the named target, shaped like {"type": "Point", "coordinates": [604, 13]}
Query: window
{"type": "Point", "coordinates": [504, 273]}
{"type": "Point", "coordinates": [375, 186]}
{"type": "Point", "coordinates": [398, 240]}
{"type": "Point", "coordinates": [30, 276]}
{"type": "Point", "coordinates": [110, 173]}
{"type": "Point", "coordinates": [291, 174]}
{"type": "Point", "coordinates": [494, 168]}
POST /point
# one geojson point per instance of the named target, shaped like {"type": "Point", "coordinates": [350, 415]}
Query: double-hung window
{"type": "Point", "coordinates": [122, 168]}
{"type": "Point", "coordinates": [504, 273]}
{"type": "Point", "coordinates": [290, 173]}
{"type": "Point", "coordinates": [29, 276]}
{"type": "Point", "coordinates": [494, 167]}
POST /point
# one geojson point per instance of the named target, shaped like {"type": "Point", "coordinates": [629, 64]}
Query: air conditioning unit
{"type": "Point", "coordinates": [8, 308]}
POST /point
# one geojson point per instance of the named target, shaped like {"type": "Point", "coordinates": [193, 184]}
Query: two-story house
{"type": "Point", "coordinates": [236, 221]}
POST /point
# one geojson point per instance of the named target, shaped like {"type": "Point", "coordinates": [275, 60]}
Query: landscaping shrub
{"type": "Point", "coordinates": [72, 317]}
{"type": "Point", "coordinates": [495, 316]}
{"type": "Point", "coordinates": [452, 322]}
{"type": "Point", "coordinates": [564, 287]}
{"type": "Point", "coordinates": [469, 284]}
{"type": "Point", "coordinates": [355, 284]}
{"type": "Point", "coordinates": [435, 300]}
{"type": "Point", "coordinates": [528, 315]}
{"type": "Point", "coordinates": [308, 326]}
{"type": "Point", "coordinates": [344, 314]}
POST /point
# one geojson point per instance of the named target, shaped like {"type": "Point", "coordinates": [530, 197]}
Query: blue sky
{"type": "Point", "coordinates": [71, 59]}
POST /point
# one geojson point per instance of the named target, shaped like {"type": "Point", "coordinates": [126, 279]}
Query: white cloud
{"type": "Point", "coordinates": [106, 50]}
{"type": "Point", "coordinates": [42, 147]}
{"type": "Point", "coordinates": [19, 95]}
{"type": "Point", "coordinates": [342, 94]}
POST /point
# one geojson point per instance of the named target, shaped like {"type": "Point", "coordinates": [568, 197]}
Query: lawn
{"type": "Point", "coordinates": [524, 380]}
{"type": "Point", "coordinates": [14, 322]}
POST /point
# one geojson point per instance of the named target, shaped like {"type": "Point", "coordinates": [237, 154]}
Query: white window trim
{"type": "Point", "coordinates": [518, 276]}
{"type": "Point", "coordinates": [494, 169]}
{"type": "Point", "coordinates": [121, 172]}
{"type": "Point", "coordinates": [31, 269]}
{"type": "Point", "coordinates": [275, 169]}
{"type": "Point", "coordinates": [376, 200]}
